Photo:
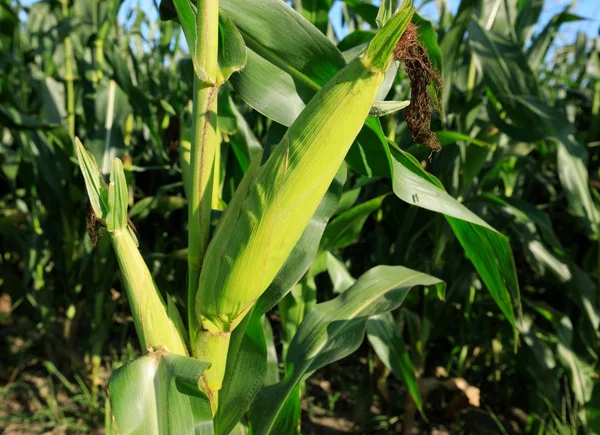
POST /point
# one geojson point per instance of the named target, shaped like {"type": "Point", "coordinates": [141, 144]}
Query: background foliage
{"type": "Point", "coordinates": [520, 132]}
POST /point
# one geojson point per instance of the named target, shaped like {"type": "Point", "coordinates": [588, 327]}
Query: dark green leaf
{"type": "Point", "coordinates": [388, 344]}
{"type": "Point", "coordinates": [345, 228]}
{"type": "Point", "coordinates": [488, 250]}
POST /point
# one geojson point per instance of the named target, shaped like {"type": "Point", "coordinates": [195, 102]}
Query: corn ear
{"type": "Point", "coordinates": [212, 345]}
{"type": "Point", "coordinates": [156, 323]}
{"type": "Point", "coordinates": [247, 252]}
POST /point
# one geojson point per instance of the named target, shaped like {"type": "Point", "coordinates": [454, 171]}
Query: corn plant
{"type": "Point", "coordinates": [282, 241]}
{"type": "Point", "coordinates": [233, 275]}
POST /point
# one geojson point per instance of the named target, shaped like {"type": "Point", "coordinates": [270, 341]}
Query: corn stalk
{"type": "Point", "coordinates": [203, 146]}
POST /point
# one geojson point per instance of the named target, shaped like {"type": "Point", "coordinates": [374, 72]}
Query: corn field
{"type": "Point", "coordinates": [312, 216]}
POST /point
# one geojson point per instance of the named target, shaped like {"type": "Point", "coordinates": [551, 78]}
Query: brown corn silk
{"type": "Point", "coordinates": [421, 74]}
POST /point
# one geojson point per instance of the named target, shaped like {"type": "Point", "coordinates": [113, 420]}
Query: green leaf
{"type": "Point", "coordinates": [512, 82]}
{"type": "Point", "coordinates": [592, 68]}
{"type": "Point", "coordinates": [175, 318]}
{"type": "Point", "coordinates": [109, 18]}
{"type": "Point", "coordinates": [272, 376]}
{"type": "Point", "coordinates": [244, 143]}
{"type": "Point", "coordinates": [333, 330]}
{"type": "Point", "coordinates": [271, 90]}
{"type": "Point", "coordinates": [503, 64]}
{"type": "Point", "coordinates": [317, 12]}
{"type": "Point", "coordinates": [531, 338]}
{"type": "Point", "coordinates": [452, 43]}
{"type": "Point", "coordinates": [447, 137]}
{"type": "Point", "coordinates": [288, 58]}
{"type": "Point", "coordinates": [138, 100]}
{"type": "Point", "coordinates": [111, 111]}
{"type": "Point", "coordinates": [571, 160]}
{"type": "Point", "coordinates": [386, 340]}
{"type": "Point", "coordinates": [116, 219]}
{"type": "Point", "coordinates": [52, 163]}
{"type": "Point", "coordinates": [366, 11]}
{"type": "Point", "coordinates": [352, 193]}
{"type": "Point", "coordinates": [488, 250]}
{"type": "Point", "coordinates": [541, 44]}
{"type": "Point", "coordinates": [122, 76]}
{"type": "Point", "coordinates": [295, 305]}
{"type": "Point", "coordinates": [232, 50]}
{"type": "Point", "coordinates": [355, 43]}
{"type": "Point", "coordinates": [52, 96]}
{"type": "Point", "coordinates": [288, 419]}
{"type": "Point", "coordinates": [382, 108]}
{"type": "Point", "coordinates": [529, 221]}
{"type": "Point", "coordinates": [163, 204]}
{"type": "Point", "coordinates": [527, 19]}
{"type": "Point", "coordinates": [227, 120]}
{"type": "Point", "coordinates": [244, 376]}
{"type": "Point", "coordinates": [280, 35]}
{"type": "Point", "coordinates": [580, 373]}
{"type": "Point", "coordinates": [491, 256]}
{"type": "Point", "coordinates": [13, 119]}
{"type": "Point", "coordinates": [339, 275]}
{"type": "Point", "coordinates": [592, 411]}
{"type": "Point", "coordinates": [346, 228]}
{"type": "Point", "coordinates": [369, 155]}
{"type": "Point", "coordinates": [158, 394]}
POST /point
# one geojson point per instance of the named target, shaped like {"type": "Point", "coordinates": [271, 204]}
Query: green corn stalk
{"type": "Point", "coordinates": [157, 322]}
{"type": "Point", "coordinates": [218, 50]}
{"type": "Point", "coordinates": [273, 205]}
{"type": "Point", "coordinates": [204, 143]}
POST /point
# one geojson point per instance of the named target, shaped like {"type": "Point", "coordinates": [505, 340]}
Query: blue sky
{"type": "Point", "coordinates": [586, 8]}
{"type": "Point", "coordinates": [589, 9]}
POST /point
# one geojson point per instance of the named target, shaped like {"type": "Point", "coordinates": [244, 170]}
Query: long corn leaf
{"type": "Point", "coordinates": [331, 331]}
